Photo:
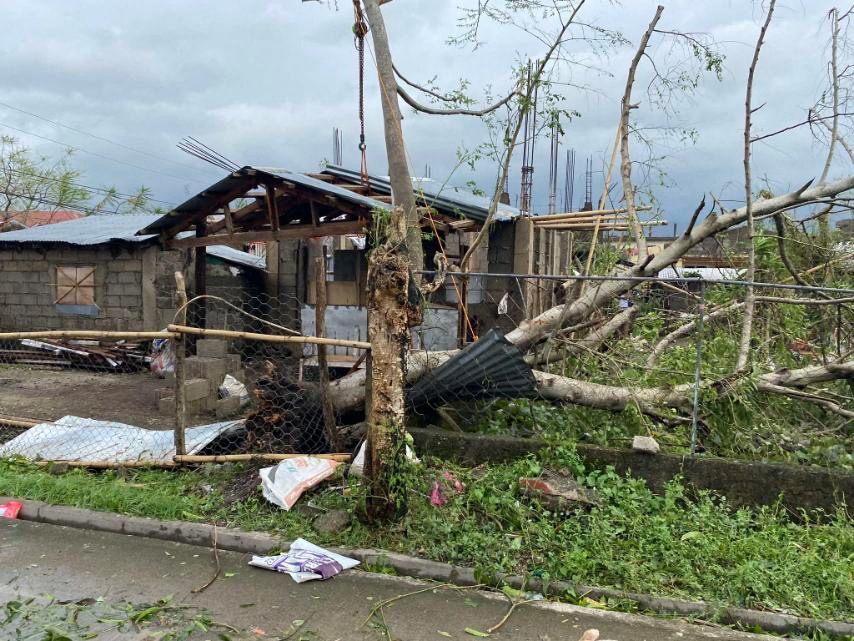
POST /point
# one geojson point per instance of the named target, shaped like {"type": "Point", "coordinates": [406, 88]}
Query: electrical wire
{"type": "Point", "coordinates": [96, 154]}
{"type": "Point", "coordinates": [101, 138]}
{"type": "Point", "coordinates": [102, 190]}
{"type": "Point", "coordinates": [56, 203]}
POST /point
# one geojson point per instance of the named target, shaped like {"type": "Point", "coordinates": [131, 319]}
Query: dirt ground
{"type": "Point", "coordinates": [49, 394]}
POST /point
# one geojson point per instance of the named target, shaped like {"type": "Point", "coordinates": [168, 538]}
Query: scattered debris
{"type": "Point", "coordinates": [231, 387]}
{"type": "Point", "coordinates": [491, 367]}
{"type": "Point", "coordinates": [332, 521]}
{"type": "Point", "coordinates": [558, 491]}
{"type": "Point", "coordinates": [437, 496]}
{"type": "Point", "coordinates": [645, 444]}
{"type": "Point", "coordinates": [11, 509]}
{"type": "Point", "coordinates": [305, 561]}
{"type": "Point", "coordinates": [87, 354]}
{"type": "Point", "coordinates": [357, 467]}
{"type": "Point", "coordinates": [284, 483]}
{"type": "Point", "coordinates": [163, 359]}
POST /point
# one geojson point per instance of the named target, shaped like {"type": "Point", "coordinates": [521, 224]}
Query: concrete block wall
{"type": "Point", "coordinates": [28, 288]}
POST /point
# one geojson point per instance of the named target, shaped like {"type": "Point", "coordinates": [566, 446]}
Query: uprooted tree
{"type": "Point", "coordinates": [394, 292]}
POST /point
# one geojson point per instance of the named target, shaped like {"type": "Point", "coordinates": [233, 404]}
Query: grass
{"type": "Point", "coordinates": [693, 547]}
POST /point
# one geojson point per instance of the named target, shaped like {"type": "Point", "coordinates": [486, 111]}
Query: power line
{"type": "Point", "coordinates": [102, 190]}
{"type": "Point", "coordinates": [55, 203]}
{"type": "Point", "coordinates": [102, 138]}
{"type": "Point", "coordinates": [94, 153]}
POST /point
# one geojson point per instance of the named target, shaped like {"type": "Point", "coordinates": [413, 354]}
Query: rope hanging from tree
{"type": "Point", "coordinates": [360, 29]}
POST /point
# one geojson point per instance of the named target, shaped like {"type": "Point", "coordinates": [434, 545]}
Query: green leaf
{"type": "Point", "coordinates": [476, 633]}
{"type": "Point", "coordinates": [228, 575]}
{"type": "Point", "coordinates": [688, 536]}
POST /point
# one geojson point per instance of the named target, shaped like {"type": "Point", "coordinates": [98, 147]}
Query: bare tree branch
{"type": "Point", "coordinates": [626, 161]}
{"type": "Point", "coordinates": [747, 325]}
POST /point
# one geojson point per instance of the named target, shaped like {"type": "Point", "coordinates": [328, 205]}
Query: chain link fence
{"type": "Point", "coordinates": [247, 384]}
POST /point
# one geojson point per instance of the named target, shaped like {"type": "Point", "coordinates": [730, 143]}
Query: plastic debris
{"type": "Point", "coordinates": [11, 509]}
{"type": "Point", "coordinates": [232, 387]}
{"type": "Point", "coordinates": [305, 561]}
{"type": "Point", "coordinates": [558, 491]}
{"type": "Point", "coordinates": [163, 359]}
{"type": "Point", "coordinates": [357, 467]}
{"type": "Point", "coordinates": [645, 444]}
{"type": "Point", "coordinates": [284, 483]}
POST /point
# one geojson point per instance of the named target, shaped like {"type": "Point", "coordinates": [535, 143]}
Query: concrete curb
{"type": "Point", "coordinates": [202, 534]}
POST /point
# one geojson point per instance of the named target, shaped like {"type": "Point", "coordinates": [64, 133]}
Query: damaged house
{"type": "Point", "coordinates": [96, 272]}
{"type": "Point", "coordinates": [299, 217]}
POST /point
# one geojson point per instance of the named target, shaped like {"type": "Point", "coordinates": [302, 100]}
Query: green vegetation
{"type": "Point", "coordinates": [674, 545]}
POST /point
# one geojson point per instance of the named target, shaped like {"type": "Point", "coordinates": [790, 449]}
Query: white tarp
{"type": "Point", "coordinates": [73, 438]}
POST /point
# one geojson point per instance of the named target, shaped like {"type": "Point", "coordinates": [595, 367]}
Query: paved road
{"type": "Point", "coordinates": [36, 559]}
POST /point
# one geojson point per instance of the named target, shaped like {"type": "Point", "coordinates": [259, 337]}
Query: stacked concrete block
{"type": "Point", "coordinates": [204, 374]}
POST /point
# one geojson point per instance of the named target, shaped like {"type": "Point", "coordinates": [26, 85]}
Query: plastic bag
{"type": "Point", "coordinates": [284, 483]}
{"type": "Point", "coordinates": [11, 509]}
{"type": "Point", "coordinates": [305, 561]}
{"type": "Point", "coordinates": [163, 361]}
{"type": "Point", "coordinates": [357, 467]}
{"type": "Point", "coordinates": [232, 387]}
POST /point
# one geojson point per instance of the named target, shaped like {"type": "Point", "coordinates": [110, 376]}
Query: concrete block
{"type": "Point", "coordinates": [196, 388]}
{"type": "Point", "coordinates": [131, 302]}
{"type": "Point", "coordinates": [226, 407]}
{"type": "Point", "coordinates": [164, 392]}
{"type": "Point", "coordinates": [212, 369]}
{"type": "Point", "coordinates": [232, 363]}
{"type": "Point", "coordinates": [212, 348]}
{"type": "Point", "coordinates": [166, 406]}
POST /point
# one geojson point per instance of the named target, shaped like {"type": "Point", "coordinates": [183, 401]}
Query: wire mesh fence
{"type": "Point", "coordinates": [247, 385]}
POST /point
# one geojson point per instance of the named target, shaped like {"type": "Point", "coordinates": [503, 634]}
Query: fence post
{"type": "Point", "coordinates": [322, 363]}
{"type": "Point", "coordinates": [695, 410]}
{"type": "Point", "coordinates": [180, 375]}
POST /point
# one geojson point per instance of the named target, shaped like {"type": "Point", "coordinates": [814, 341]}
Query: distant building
{"type": "Point", "coordinates": [10, 221]}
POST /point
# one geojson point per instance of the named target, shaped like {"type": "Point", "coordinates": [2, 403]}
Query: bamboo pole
{"type": "Point", "coordinates": [230, 458]}
{"type": "Point", "coordinates": [180, 370]}
{"type": "Point", "coordinates": [108, 465]}
{"type": "Point", "coordinates": [271, 338]}
{"type": "Point", "coordinates": [322, 363]}
{"type": "Point", "coordinates": [86, 333]}
{"type": "Point", "coordinates": [17, 422]}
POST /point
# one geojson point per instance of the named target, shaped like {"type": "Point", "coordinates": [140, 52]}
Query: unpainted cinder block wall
{"type": "Point", "coordinates": [134, 287]}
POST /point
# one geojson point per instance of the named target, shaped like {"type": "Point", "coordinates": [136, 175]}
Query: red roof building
{"type": "Point", "coordinates": [25, 219]}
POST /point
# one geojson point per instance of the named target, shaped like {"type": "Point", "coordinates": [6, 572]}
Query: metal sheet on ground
{"type": "Point", "coordinates": [73, 438]}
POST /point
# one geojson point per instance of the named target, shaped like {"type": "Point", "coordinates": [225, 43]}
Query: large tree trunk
{"type": "Point", "coordinates": [390, 310]}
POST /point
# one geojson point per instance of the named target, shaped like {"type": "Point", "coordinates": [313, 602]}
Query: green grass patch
{"type": "Point", "coordinates": [680, 545]}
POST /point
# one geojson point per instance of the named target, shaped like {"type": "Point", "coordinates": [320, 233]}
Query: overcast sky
{"type": "Point", "coordinates": [265, 81]}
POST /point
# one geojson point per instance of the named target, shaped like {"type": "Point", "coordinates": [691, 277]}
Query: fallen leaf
{"type": "Point", "coordinates": [478, 633]}
{"type": "Point", "coordinates": [444, 634]}
{"type": "Point", "coordinates": [259, 632]}
{"type": "Point", "coordinates": [228, 575]}
{"type": "Point", "coordinates": [590, 635]}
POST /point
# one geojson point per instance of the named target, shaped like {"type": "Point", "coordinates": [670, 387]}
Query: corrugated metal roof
{"type": "Point", "coordinates": [325, 187]}
{"type": "Point", "coordinates": [454, 200]}
{"type": "Point", "coordinates": [237, 257]}
{"type": "Point", "coordinates": [107, 228]}
{"type": "Point", "coordinates": [91, 230]}
{"type": "Point", "coordinates": [245, 179]}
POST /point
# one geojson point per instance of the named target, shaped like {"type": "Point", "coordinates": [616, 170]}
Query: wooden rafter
{"type": "Point", "coordinates": [338, 228]}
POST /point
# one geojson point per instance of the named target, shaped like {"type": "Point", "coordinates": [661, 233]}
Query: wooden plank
{"type": "Point", "coordinates": [200, 278]}
{"type": "Point", "coordinates": [339, 228]}
{"type": "Point", "coordinates": [272, 208]}
{"type": "Point", "coordinates": [180, 356]}
{"type": "Point", "coordinates": [229, 221]}
{"type": "Point", "coordinates": [322, 364]}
